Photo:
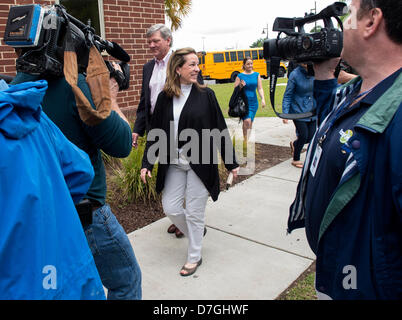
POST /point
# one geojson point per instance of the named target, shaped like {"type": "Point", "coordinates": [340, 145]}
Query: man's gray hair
{"type": "Point", "coordinates": [165, 32]}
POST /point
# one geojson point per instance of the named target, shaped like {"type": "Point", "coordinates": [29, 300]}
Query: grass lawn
{"type": "Point", "coordinates": [303, 290]}
{"type": "Point", "coordinates": [224, 91]}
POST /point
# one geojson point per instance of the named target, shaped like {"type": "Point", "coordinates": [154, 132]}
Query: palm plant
{"type": "Point", "coordinates": [176, 10]}
{"type": "Point", "coordinates": [128, 177]}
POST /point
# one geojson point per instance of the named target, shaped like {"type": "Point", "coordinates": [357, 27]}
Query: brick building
{"type": "Point", "coordinates": [122, 21]}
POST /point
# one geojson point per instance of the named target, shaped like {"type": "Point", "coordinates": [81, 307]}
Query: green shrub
{"type": "Point", "coordinates": [128, 177]}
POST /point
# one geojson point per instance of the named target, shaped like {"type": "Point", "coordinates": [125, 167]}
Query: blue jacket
{"type": "Point", "coordinates": [44, 253]}
{"type": "Point", "coordinates": [361, 231]}
{"type": "Point", "coordinates": [298, 97]}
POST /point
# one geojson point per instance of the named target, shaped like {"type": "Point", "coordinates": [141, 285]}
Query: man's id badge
{"type": "Point", "coordinates": [316, 160]}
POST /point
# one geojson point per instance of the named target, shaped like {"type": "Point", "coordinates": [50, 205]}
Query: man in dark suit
{"type": "Point", "coordinates": [159, 38]}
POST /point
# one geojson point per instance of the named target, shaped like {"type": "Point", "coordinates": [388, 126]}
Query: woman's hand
{"type": "Point", "coordinates": [144, 173]}
{"type": "Point", "coordinates": [113, 85]}
{"type": "Point", "coordinates": [235, 172]}
{"type": "Point", "coordinates": [242, 83]}
{"type": "Point", "coordinates": [263, 103]}
{"type": "Point", "coordinates": [135, 140]}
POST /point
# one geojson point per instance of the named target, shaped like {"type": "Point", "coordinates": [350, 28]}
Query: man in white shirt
{"type": "Point", "coordinates": [159, 38]}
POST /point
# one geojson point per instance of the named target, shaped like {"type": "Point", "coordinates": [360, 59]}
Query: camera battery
{"type": "Point", "coordinates": [24, 26]}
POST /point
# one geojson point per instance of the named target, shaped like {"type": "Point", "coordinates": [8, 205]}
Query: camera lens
{"type": "Point", "coordinates": [307, 43]}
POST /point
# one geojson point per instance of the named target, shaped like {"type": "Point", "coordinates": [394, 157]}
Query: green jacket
{"type": "Point", "coordinates": [362, 224]}
{"type": "Point", "coordinates": [112, 135]}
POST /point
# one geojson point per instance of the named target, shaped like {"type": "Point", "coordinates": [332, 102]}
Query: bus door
{"type": "Point", "coordinates": [231, 64]}
{"type": "Point", "coordinates": [218, 66]}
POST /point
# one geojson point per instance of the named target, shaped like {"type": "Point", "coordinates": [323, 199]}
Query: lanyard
{"type": "Point", "coordinates": [348, 102]}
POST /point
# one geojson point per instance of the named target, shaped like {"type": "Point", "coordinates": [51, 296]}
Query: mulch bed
{"type": "Point", "coordinates": [133, 216]}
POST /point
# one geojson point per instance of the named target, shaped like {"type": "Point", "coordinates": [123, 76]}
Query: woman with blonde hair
{"type": "Point", "coordinates": [187, 174]}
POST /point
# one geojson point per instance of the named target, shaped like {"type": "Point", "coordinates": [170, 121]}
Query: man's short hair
{"type": "Point", "coordinates": [165, 32]}
{"type": "Point", "coordinates": [392, 11]}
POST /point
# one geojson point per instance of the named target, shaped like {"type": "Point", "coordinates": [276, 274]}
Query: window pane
{"type": "Point", "coordinates": [261, 54]}
{"type": "Point", "coordinates": [86, 11]}
{"type": "Point", "coordinates": [247, 54]}
{"type": "Point", "coordinates": [218, 57]}
{"type": "Point", "coordinates": [233, 56]}
{"type": "Point", "coordinates": [254, 54]}
{"type": "Point", "coordinates": [240, 55]}
{"type": "Point", "coordinates": [227, 56]}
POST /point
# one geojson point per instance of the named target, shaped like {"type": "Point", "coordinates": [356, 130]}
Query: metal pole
{"type": "Point", "coordinates": [315, 12]}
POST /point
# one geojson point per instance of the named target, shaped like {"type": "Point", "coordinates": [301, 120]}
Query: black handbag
{"type": "Point", "coordinates": [238, 104]}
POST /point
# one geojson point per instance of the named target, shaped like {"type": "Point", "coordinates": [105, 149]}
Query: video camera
{"type": "Point", "coordinates": [303, 47]}
{"type": "Point", "coordinates": [40, 33]}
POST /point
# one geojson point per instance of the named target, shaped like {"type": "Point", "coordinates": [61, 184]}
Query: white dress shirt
{"type": "Point", "coordinates": [158, 79]}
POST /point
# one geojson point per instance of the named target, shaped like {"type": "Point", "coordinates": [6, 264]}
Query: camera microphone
{"type": "Point", "coordinates": [116, 51]}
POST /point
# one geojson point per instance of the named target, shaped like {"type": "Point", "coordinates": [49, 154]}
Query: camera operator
{"type": "Point", "coordinates": [110, 246]}
{"type": "Point", "coordinates": [36, 262]}
{"type": "Point", "coordinates": [350, 194]}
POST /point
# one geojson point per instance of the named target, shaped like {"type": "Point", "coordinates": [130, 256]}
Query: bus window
{"type": "Point", "coordinates": [233, 56]}
{"type": "Point", "coordinates": [216, 65]}
{"type": "Point", "coordinates": [218, 57]}
{"type": "Point", "coordinates": [254, 54]}
{"type": "Point", "coordinates": [247, 54]}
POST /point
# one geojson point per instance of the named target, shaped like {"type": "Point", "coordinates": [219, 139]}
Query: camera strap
{"type": "Point", "coordinates": [273, 72]}
{"type": "Point", "coordinates": [97, 79]}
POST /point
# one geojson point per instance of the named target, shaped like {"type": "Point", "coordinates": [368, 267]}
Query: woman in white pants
{"type": "Point", "coordinates": [187, 128]}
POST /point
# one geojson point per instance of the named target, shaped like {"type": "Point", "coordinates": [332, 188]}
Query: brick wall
{"type": "Point", "coordinates": [126, 22]}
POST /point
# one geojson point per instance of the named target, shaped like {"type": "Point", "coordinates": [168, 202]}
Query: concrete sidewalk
{"type": "Point", "coordinates": [246, 252]}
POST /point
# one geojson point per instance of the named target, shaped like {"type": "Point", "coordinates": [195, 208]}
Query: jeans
{"type": "Point", "coordinates": [114, 256]}
{"type": "Point", "coordinates": [305, 131]}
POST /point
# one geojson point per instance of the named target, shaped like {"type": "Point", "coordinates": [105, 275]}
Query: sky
{"type": "Point", "coordinates": [236, 24]}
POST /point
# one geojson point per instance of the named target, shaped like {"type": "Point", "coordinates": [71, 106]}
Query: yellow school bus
{"type": "Point", "coordinates": [227, 64]}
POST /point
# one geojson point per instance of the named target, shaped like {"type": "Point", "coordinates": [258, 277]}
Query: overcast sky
{"type": "Point", "coordinates": [236, 24]}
